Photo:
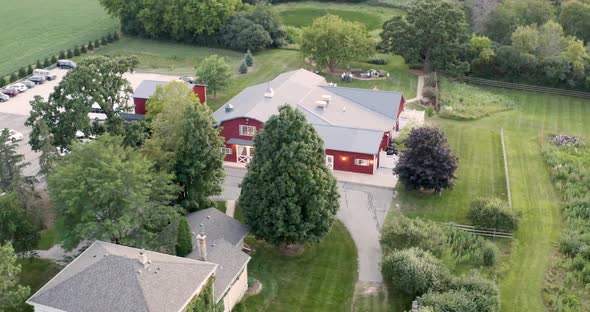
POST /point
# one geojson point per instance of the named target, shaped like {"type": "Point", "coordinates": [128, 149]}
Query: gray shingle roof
{"type": "Point", "coordinates": [231, 261]}
{"type": "Point", "coordinates": [350, 139]}
{"type": "Point", "coordinates": [375, 100]}
{"type": "Point", "coordinates": [217, 225]}
{"type": "Point", "coordinates": [147, 87]}
{"type": "Point", "coordinates": [108, 277]}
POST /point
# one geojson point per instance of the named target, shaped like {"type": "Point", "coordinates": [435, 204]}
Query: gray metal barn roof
{"type": "Point", "coordinates": [350, 139]}
{"type": "Point", "coordinates": [147, 87]}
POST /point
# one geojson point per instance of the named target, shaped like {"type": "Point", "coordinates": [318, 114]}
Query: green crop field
{"type": "Point", "coordinates": [36, 29]}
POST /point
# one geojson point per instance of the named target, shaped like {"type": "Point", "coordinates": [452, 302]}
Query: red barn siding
{"type": "Point", "coordinates": [399, 111]}
{"type": "Point", "coordinates": [139, 105]}
{"type": "Point", "coordinates": [230, 129]}
{"type": "Point", "coordinates": [201, 92]}
{"type": "Point", "coordinates": [345, 161]}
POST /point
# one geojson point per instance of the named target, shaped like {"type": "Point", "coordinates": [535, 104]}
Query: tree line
{"type": "Point", "coordinates": [530, 41]}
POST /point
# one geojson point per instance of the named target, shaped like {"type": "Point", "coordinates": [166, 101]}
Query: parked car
{"type": "Point", "coordinates": [4, 97]}
{"type": "Point", "coordinates": [45, 73]}
{"type": "Point", "coordinates": [10, 91]}
{"type": "Point", "coordinates": [96, 113]}
{"type": "Point", "coordinates": [37, 79]}
{"type": "Point", "coordinates": [187, 79]}
{"type": "Point", "coordinates": [66, 64]}
{"type": "Point", "coordinates": [28, 83]}
{"type": "Point", "coordinates": [19, 86]}
{"type": "Point", "coordinates": [14, 135]}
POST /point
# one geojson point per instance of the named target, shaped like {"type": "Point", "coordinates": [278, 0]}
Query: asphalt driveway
{"type": "Point", "coordinates": [362, 210]}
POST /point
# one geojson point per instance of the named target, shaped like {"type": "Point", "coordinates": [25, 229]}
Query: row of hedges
{"type": "Point", "coordinates": [76, 51]}
{"type": "Point", "coordinates": [569, 164]}
{"type": "Point", "coordinates": [419, 256]}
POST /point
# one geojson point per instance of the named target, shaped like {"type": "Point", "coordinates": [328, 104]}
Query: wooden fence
{"type": "Point", "coordinates": [482, 232]}
{"type": "Point", "coordinates": [523, 87]}
{"type": "Point", "coordinates": [506, 168]}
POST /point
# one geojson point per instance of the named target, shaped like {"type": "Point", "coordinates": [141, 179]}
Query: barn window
{"type": "Point", "coordinates": [361, 162]}
{"type": "Point", "coordinates": [226, 150]}
{"type": "Point", "coordinates": [247, 130]}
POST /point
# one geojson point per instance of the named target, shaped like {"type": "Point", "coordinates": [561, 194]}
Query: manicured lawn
{"type": "Point", "coordinates": [303, 13]}
{"type": "Point", "coordinates": [220, 205]}
{"type": "Point", "coordinates": [47, 239]}
{"type": "Point", "coordinates": [481, 174]}
{"type": "Point", "coordinates": [321, 279]}
{"type": "Point", "coordinates": [36, 29]}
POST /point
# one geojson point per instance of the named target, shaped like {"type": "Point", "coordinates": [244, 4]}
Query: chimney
{"type": "Point", "coordinates": [143, 259]}
{"type": "Point", "coordinates": [202, 242]}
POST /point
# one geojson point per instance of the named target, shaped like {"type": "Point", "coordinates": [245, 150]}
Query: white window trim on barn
{"type": "Point", "coordinates": [227, 150]}
{"type": "Point", "coordinates": [361, 162]}
{"type": "Point", "coordinates": [247, 130]}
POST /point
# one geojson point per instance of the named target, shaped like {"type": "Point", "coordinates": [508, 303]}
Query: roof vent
{"type": "Point", "coordinates": [269, 93]}
{"type": "Point", "coordinates": [229, 108]}
{"type": "Point", "coordinates": [208, 217]}
{"type": "Point", "coordinates": [321, 103]}
{"type": "Point", "coordinates": [327, 98]}
{"type": "Point", "coordinates": [343, 108]}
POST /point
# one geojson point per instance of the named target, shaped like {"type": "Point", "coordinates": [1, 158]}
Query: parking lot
{"type": "Point", "coordinates": [15, 111]}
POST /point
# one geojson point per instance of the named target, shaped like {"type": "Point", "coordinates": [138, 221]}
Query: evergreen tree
{"type": "Point", "coordinates": [53, 60]}
{"type": "Point", "coordinates": [248, 58]}
{"type": "Point", "coordinates": [243, 68]}
{"type": "Point", "coordinates": [77, 51]}
{"type": "Point", "coordinates": [30, 69]}
{"type": "Point", "coordinates": [39, 64]}
{"type": "Point", "coordinates": [90, 46]}
{"type": "Point", "coordinates": [103, 41]}
{"type": "Point", "coordinates": [62, 55]}
{"type": "Point", "coordinates": [83, 49]}
{"type": "Point", "coordinates": [12, 295]}
{"type": "Point", "coordinates": [70, 54]}
{"type": "Point", "coordinates": [96, 43]}
{"type": "Point", "coordinates": [199, 159]}
{"type": "Point", "coordinates": [22, 72]}
{"type": "Point", "coordinates": [289, 196]}
{"type": "Point", "coordinates": [115, 36]}
{"type": "Point", "coordinates": [427, 162]}
{"type": "Point", "coordinates": [109, 38]}
{"type": "Point", "coordinates": [185, 242]}
{"type": "Point", "coordinates": [13, 77]}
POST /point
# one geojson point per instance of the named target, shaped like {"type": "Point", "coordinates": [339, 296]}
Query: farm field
{"type": "Point", "coordinates": [481, 174]}
{"type": "Point", "coordinates": [300, 14]}
{"type": "Point", "coordinates": [36, 29]}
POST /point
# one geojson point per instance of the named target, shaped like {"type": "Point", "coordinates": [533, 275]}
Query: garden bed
{"type": "Point", "coordinates": [461, 101]}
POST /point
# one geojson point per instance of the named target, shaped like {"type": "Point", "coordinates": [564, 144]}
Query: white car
{"type": "Point", "coordinates": [19, 86]}
{"type": "Point", "coordinates": [14, 135]}
{"type": "Point", "coordinates": [97, 114]}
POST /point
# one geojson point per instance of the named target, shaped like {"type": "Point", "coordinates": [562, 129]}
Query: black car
{"type": "Point", "coordinates": [66, 64]}
{"type": "Point", "coordinates": [37, 79]}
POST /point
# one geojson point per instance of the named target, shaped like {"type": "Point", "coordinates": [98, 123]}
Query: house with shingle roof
{"type": "Point", "coordinates": [116, 278]}
{"type": "Point", "coordinates": [355, 124]}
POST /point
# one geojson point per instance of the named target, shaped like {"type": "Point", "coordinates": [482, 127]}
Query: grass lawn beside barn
{"type": "Point", "coordinates": [35, 29]}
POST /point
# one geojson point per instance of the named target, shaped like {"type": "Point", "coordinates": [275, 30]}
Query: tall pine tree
{"type": "Point", "coordinates": [289, 196]}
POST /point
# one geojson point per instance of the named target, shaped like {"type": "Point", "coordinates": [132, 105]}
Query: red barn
{"type": "Point", "coordinates": [355, 124]}
{"type": "Point", "coordinates": [147, 87]}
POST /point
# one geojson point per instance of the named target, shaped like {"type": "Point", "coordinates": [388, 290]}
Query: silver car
{"type": "Point", "coordinates": [28, 83]}
{"type": "Point", "coordinates": [4, 97]}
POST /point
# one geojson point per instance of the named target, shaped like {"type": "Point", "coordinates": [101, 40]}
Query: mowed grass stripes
{"type": "Point", "coordinates": [321, 279]}
{"type": "Point", "coordinates": [35, 29]}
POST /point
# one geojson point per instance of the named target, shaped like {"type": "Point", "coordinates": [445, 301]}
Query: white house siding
{"type": "Point", "coordinates": [236, 291]}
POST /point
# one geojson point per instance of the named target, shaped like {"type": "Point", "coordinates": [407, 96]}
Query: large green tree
{"type": "Point", "coordinates": [16, 226]}
{"type": "Point", "coordinates": [289, 196]}
{"type": "Point", "coordinates": [433, 33]}
{"type": "Point", "coordinates": [103, 190]}
{"type": "Point", "coordinates": [331, 41]}
{"type": "Point", "coordinates": [508, 15]}
{"type": "Point", "coordinates": [12, 295]}
{"type": "Point", "coordinates": [575, 18]}
{"type": "Point", "coordinates": [214, 72]}
{"type": "Point", "coordinates": [97, 80]}
{"type": "Point", "coordinates": [199, 159]}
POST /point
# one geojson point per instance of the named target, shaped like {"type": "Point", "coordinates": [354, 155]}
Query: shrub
{"type": "Point", "coordinates": [185, 243]}
{"type": "Point", "coordinates": [90, 46]}
{"type": "Point", "coordinates": [243, 68]}
{"type": "Point", "coordinates": [464, 245]}
{"type": "Point", "coordinates": [22, 72]}
{"type": "Point", "coordinates": [53, 60]}
{"type": "Point", "coordinates": [62, 55]}
{"type": "Point", "coordinates": [405, 233]}
{"type": "Point", "coordinates": [489, 254]}
{"type": "Point", "coordinates": [77, 51]}
{"type": "Point", "coordinates": [430, 81]}
{"type": "Point", "coordinates": [47, 62]}
{"type": "Point", "coordinates": [452, 300]}
{"type": "Point", "coordinates": [13, 77]}
{"type": "Point", "coordinates": [493, 213]}
{"type": "Point", "coordinates": [96, 43]}
{"type": "Point", "coordinates": [69, 54]}
{"type": "Point", "coordinates": [240, 33]}
{"type": "Point", "coordinates": [115, 36]}
{"type": "Point", "coordinates": [30, 69]}
{"type": "Point", "coordinates": [430, 93]}
{"type": "Point", "coordinates": [39, 64]}
{"type": "Point", "coordinates": [3, 81]}
{"type": "Point", "coordinates": [429, 111]}
{"type": "Point", "coordinates": [377, 61]}
{"type": "Point", "coordinates": [83, 49]}
{"type": "Point", "coordinates": [103, 41]}
{"type": "Point", "coordinates": [248, 58]}
{"type": "Point", "coordinates": [293, 34]}
{"type": "Point", "coordinates": [109, 38]}
{"type": "Point", "coordinates": [414, 271]}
